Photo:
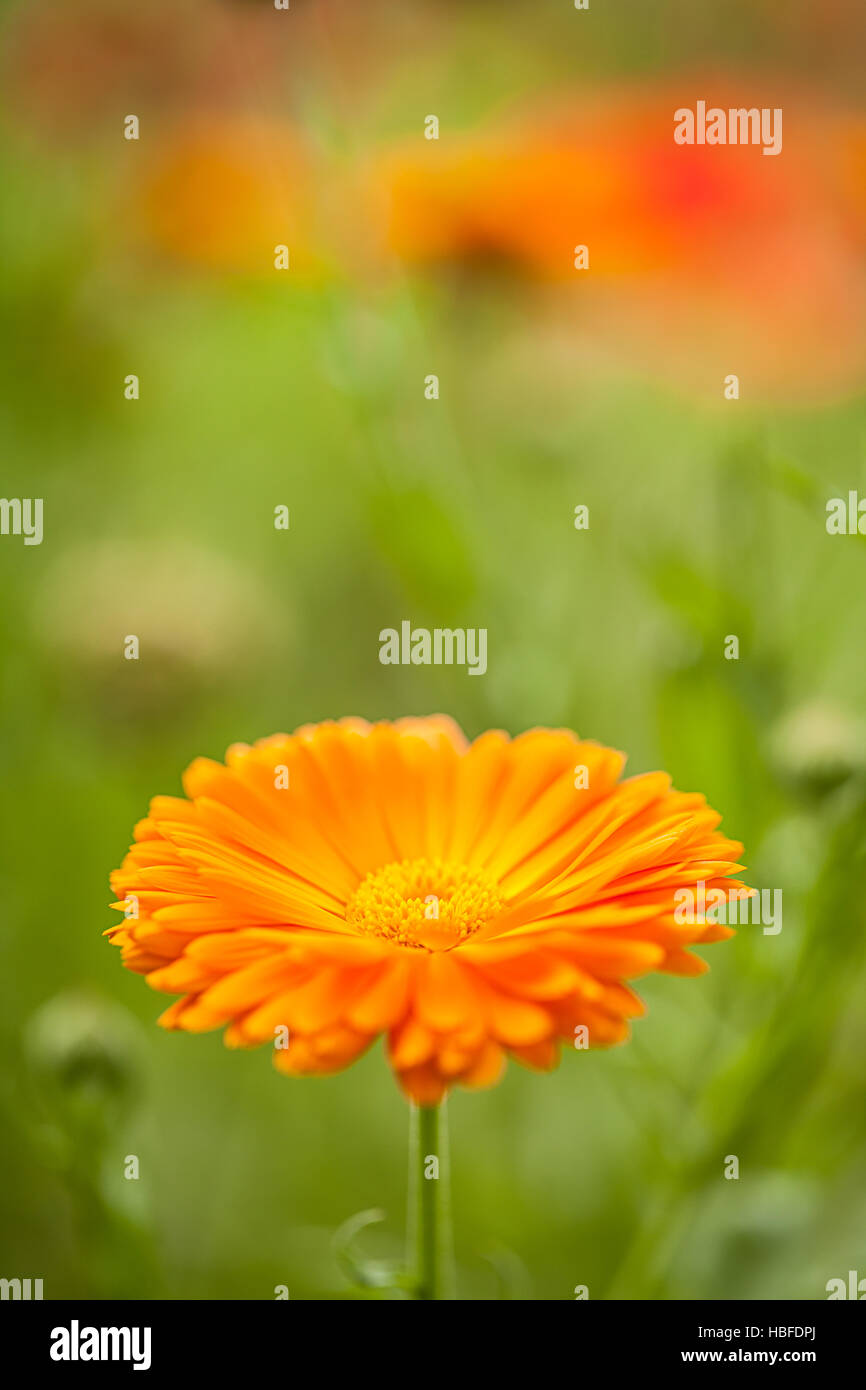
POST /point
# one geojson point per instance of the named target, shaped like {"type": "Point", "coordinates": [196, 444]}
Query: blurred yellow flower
{"type": "Point", "coordinates": [222, 192]}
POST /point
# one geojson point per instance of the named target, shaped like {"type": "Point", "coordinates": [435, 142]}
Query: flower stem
{"type": "Point", "coordinates": [430, 1240]}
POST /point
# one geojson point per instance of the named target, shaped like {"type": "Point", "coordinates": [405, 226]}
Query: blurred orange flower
{"type": "Point", "coordinates": [695, 252]}
{"type": "Point", "coordinates": [222, 191]}
{"type": "Point", "coordinates": [607, 173]}
{"type": "Point", "coordinates": [469, 901]}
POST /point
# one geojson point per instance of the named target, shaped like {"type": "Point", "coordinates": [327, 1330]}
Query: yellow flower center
{"type": "Point", "coordinates": [424, 904]}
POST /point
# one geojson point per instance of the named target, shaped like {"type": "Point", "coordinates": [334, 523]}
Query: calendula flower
{"type": "Point", "coordinates": [685, 256]}
{"type": "Point", "coordinates": [468, 901]}
{"type": "Point", "coordinates": [222, 193]}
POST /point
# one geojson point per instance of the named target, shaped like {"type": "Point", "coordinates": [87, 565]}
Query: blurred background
{"type": "Point", "coordinates": [557, 388]}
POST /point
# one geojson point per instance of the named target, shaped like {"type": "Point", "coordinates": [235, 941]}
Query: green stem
{"type": "Point", "coordinates": [430, 1242]}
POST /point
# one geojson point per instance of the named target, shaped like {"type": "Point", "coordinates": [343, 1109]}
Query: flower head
{"type": "Point", "coordinates": [219, 193]}
{"type": "Point", "coordinates": [655, 248]}
{"type": "Point", "coordinates": [467, 900]}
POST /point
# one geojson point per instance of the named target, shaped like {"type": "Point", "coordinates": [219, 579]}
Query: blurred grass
{"type": "Point", "coordinates": [704, 521]}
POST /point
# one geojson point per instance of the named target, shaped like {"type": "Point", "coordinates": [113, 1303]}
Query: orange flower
{"type": "Point", "coordinates": [221, 193]}
{"type": "Point", "coordinates": [698, 255]}
{"type": "Point", "coordinates": [467, 900]}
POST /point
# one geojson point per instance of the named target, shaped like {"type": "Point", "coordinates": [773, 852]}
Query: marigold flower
{"type": "Point", "coordinates": [221, 193]}
{"type": "Point", "coordinates": [467, 900]}
{"type": "Point", "coordinates": [698, 254]}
